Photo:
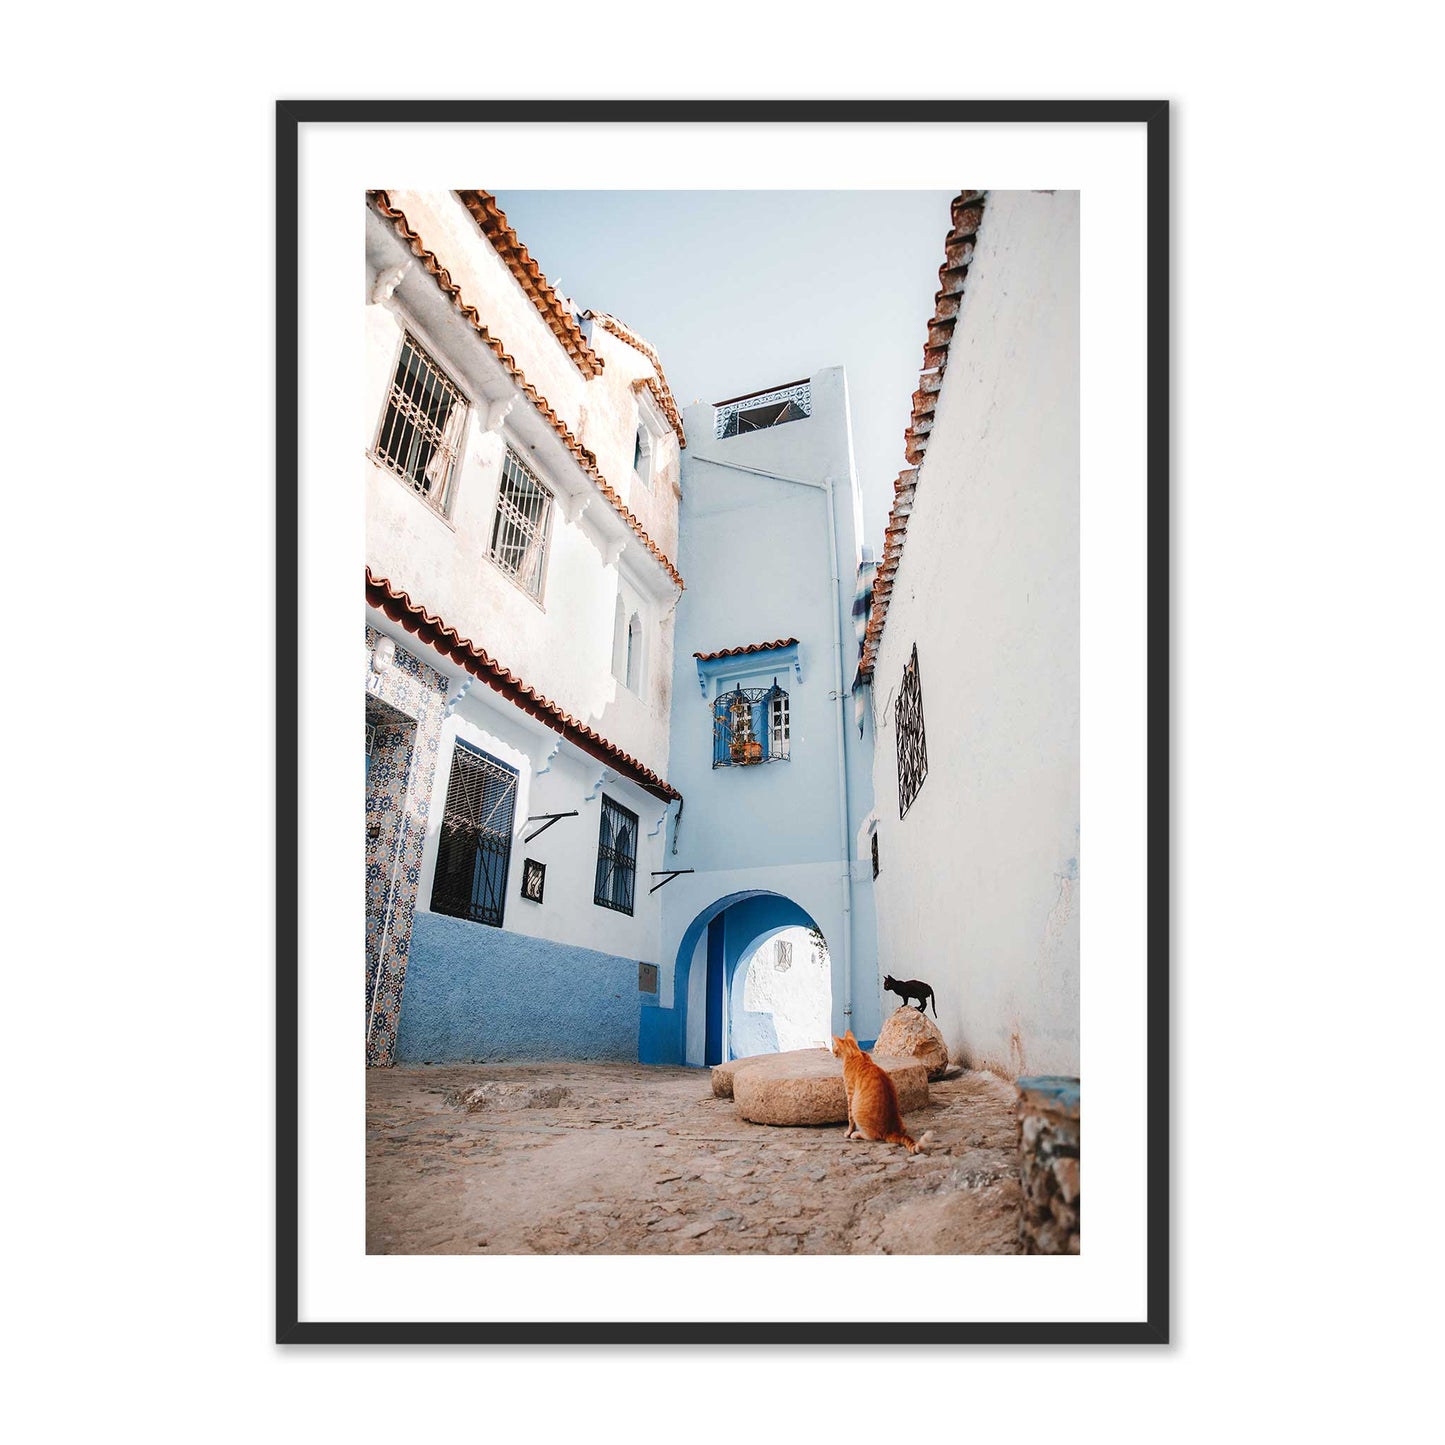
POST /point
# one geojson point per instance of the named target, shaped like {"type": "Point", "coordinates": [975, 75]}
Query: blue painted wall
{"type": "Point", "coordinates": [474, 992]}
{"type": "Point", "coordinates": [758, 560]}
{"type": "Point", "coordinates": [735, 926]}
{"type": "Point", "coordinates": [659, 1035]}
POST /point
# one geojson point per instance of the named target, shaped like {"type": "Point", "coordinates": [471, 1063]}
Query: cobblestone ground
{"type": "Point", "coordinates": [621, 1159]}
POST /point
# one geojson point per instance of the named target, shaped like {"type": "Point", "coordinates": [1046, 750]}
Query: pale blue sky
{"type": "Point", "coordinates": [741, 290]}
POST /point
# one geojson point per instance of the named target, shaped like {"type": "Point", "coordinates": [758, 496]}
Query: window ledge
{"type": "Point", "coordinates": [516, 586]}
{"type": "Point", "coordinates": [405, 484]}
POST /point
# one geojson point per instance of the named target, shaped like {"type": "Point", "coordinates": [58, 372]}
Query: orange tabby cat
{"type": "Point", "coordinates": [872, 1099]}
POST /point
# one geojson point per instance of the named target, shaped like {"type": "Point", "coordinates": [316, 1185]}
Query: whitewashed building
{"type": "Point", "coordinates": [775, 777]}
{"type": "Point", "coordinates": [522, 475]}
{"type": "Point", "coordinates": [972, 648]}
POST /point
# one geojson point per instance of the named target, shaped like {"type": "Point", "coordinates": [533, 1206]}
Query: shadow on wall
{"type": "Point", "coordinates": [782, 994]}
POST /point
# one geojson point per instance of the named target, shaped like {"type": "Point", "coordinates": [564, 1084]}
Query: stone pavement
{"type": "Point", "coordinates": [577, 1158]}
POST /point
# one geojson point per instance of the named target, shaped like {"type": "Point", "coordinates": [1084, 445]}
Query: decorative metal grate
{"type": "Point", "coordinates": [751, 725]}
{"type": "Point", "coordinates": [766, 409]}
{"type": "Point", "coordinates": [912, 749]}
{"type": "Point", "coordinates": [421, 430]}
{"type": "Point", "coordinates": [476, 838]}
{"type": "Point", "coordinates": [616, 857]}
{"type": "Point", "coordinates": [523, 521]}
{"type": "Point", "coordinates": [782, 955]}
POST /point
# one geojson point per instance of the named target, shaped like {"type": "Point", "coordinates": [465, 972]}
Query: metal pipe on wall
{"type": "Point", "coordinates": [844, 837]}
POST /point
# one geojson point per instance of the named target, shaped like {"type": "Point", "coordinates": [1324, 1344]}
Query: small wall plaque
{"type": "Point", "coordinates": [647, 978]}
{"type": "Point", "coordinates": [534, 878]}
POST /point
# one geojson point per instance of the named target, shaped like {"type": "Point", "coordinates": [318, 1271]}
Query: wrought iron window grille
{"type": "Point", "coordinates": [616, 857]}
{"type": "Point", "coordinates": [422, 427]}
{"type": "Point", "coordinates": [751, 725]}
{"type": "Point", "coordinates": [521, 529]}
{"type": "Point", "coordinates": [912, 747]}
{"type": "Point", "coordinates": [475, 847]}
{"type": "Point", "coordinates": [764, 409]}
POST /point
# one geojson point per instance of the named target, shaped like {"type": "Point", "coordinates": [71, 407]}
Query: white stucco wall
{"type": "Point", "coordinates": [562, 644]}
{"type": "Point", "coordinates": [759, 561]}
{"type": "Point", "coordinates": [798, 997]}
{"type": "Point", "coordinates": [978, 890]}
{"type": "Point", "coordinates": [553, 777]}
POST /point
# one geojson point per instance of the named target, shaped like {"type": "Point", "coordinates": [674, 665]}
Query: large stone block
{"type": "Point", "coordinates": [805, 1086]}
{"type": "Point", "coordinates": [723, 1074]}
{"type": "Point", "coordinates": [909, 1034]}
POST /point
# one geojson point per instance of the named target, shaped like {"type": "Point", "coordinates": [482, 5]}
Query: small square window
{"type": "Point", "coordinates": [421, 430]}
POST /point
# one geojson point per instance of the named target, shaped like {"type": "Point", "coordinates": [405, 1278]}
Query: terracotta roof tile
{"type": "Point", "coordinates": [966, 216]}
{"type": "Point", "coordinates": [741, 651]}
{"type": "Point", "coordinates": [664, 396]}
{"type": "Point", "coordinates": [493, 223]}
{"type": "Point", "coordinates": [431, 630]}
{"type": "Point", "coordinates": [585, 459]}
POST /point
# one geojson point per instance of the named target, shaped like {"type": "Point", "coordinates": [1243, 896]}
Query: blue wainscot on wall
{"type": "Point", "coordinates": [479, 993]}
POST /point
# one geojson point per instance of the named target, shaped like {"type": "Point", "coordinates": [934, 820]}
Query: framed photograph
{"type": "Point", "coordinates": [763, 529]}
{"type": "Point", "coordinates": [534, 879]}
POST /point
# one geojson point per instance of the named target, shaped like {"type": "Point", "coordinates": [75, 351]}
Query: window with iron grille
{"type": "Point", "coordinates": [763, 409]}
{"type": "Point", "coordinates": [421, 430]}
{"type": "Point", "coordinates": [782, 955]}
{"type": "Point", "coordinates": [475, 848]}
{"type": "Point", "coordinates": [616, 857]}
{"type": "Point", "coordinates": [751, 725]}
{"type": "Point", "coordinates": [912, 750]}
{"type": "Point", "coordinates": [523, 521]}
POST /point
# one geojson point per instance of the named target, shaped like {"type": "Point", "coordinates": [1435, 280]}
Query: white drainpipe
{"type": "Point", "coordinates": [844, 837]}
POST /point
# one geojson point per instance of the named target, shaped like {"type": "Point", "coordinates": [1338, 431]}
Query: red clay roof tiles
{"type": "Point", "coordinates": [966, 215]}
{"type": "Point", "coordinates": [664, 395]}
{"type": "Point", "coordinates": [431, 630]}
{"type": "Point", "coordinates": [585, 459]}
{"type": "Point", "coordinates": [493, 223]}
{"type": "Point", "coordinates": [741, 651]}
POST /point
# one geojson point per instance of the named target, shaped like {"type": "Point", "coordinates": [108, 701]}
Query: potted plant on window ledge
{"type": "Point", "coordinates": [744, 747]}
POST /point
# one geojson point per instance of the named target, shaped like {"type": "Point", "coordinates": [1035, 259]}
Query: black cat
{"type": "Point", "coordinates": [908, 988]}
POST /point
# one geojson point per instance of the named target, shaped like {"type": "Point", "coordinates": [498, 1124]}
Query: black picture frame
{"type": "Point", "coordinates": [532, 869]}
{"type": "Point", "coordinates": [291, 116]}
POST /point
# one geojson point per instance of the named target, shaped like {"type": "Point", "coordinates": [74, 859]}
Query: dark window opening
{"type": "Point", "coordinates": [616, 857]}
{"type": "Point", "coordinates": [763, 409]}
{"type": "Point", "coordinates": [875, 855]}
{"type": "Point", "coordinates": [475, 847]}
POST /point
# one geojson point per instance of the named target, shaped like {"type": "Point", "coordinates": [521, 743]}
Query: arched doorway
{"type": "Point", "coordinates": [710, 980]}
{"type": "Point", "coordinates": [782, 994]}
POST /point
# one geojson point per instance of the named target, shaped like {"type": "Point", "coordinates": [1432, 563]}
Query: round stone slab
{"type": "Point", "coordinates": [723, 1074]}
{"type": "Point", "coordinates": [806, 1087]}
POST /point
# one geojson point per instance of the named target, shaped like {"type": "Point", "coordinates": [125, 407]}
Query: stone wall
{"type": "Point", "coordinates": [1048, 1119]}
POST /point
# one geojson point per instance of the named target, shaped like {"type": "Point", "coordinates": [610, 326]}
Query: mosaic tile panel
{"type": "Point", "coordinates": [405, 706]}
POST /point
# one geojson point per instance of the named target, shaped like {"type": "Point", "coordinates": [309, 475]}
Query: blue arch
{"type": "Point", "coordinates": [744, 919]}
